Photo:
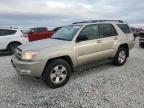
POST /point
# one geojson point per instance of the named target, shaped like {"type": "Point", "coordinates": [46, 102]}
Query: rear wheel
{"type": "Point", "coordinates": [121, 56]}
{"type": "Point", "coordinates": [12, 47]}
{"type": "Point", "coordinates": [57, 73]}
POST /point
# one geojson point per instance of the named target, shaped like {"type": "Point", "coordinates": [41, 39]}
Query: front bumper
{"type": "Point", "coordinates": [28, 68]}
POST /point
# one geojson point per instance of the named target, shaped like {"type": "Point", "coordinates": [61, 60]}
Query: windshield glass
{"type": "Point", "coordinates": [66, 33]}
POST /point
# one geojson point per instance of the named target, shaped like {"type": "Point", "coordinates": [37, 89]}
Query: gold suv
{"type": "Point", "coordinates": [79, 43]}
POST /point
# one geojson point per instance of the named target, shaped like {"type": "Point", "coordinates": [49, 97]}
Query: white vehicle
{"type": "Point", "coordinates": [10, 38]}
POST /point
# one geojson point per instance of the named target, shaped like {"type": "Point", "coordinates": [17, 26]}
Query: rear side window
{"type": "Point", "coordinates": [4, 32]}
{"type": "Point", "coordinates": [107, 30]}
{"type": "Point", "coordinates": [37, 30]}
{"type": "Point", "coordinates": [125, 28]}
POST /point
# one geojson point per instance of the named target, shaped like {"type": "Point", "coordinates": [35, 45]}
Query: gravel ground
{"type": "Point", "coordinates": [98, 85]}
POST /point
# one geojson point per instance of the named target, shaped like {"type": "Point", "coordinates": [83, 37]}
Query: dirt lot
{"type": "Point", "coordinates": [95, 85]}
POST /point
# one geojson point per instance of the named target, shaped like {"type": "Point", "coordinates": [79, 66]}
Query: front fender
{"type": "Point", "coordinates": [46, 55]}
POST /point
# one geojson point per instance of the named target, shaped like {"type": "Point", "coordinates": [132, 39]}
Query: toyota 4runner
{"type": "Point", "coordinates": [79, 43]}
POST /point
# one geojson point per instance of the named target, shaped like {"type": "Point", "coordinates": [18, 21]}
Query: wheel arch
{"type": "Point", "coordinates": [125, 45]}
{"type": "Point", "coordinates": [13, 42]}
{"type": "Point", "coordinates": [66, 58]}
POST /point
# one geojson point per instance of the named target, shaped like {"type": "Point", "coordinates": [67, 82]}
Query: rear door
{"type": "Point", "coordinates": [89, 49]}
{"type": "Point", "coordinates": [109, 36]}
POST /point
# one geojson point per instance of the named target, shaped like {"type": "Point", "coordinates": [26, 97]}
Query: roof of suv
{"type": "Point", "coordinates": [99, 21]}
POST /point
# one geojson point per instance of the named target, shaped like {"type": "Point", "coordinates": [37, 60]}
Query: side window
{"type": "Point", "coordinates": [10, 32]}
{"type": "Point", "coordinates": [91, 32]}
{"type": "Point", "coordinates": [41, 29]}
{"type": "Point", "coordinates": [107, 30]}
{"type": "Point", "coordinates": [4, 32]}
{"type": "Point", "coordinates": [33, 30]}
{"type": "Point", "coordinates": [125, 28]}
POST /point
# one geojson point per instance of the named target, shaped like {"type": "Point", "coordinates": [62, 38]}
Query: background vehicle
{"type": "Point", "coordinates": [140, 34]}
{"type": "Point", "coordinates": [141, 38]}
{"type": "Point", "coordinates": [10, 38]}
{"type": "Point", "coordinates": [80, 43]}
{"type": "Point", "coordinates": [40, 33]}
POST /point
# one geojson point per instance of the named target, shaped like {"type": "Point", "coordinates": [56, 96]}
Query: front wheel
{"type": "Point", "coordinates": [57, 73]}
{"type": "Point", "coordinates": [121, 56]}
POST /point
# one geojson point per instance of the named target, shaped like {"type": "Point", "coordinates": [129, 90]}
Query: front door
{"type": "Point", "coordinates": [88, 45]}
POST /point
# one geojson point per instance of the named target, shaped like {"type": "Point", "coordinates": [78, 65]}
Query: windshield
{"type": "Point", "coordinates": [66, 33]}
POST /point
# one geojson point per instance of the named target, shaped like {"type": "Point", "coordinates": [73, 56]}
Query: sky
{"type": "Point", "coordinates": [54, 13]}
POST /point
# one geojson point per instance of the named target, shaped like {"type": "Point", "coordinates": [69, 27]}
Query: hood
{"type": "Point", "coordinates": [41, 44]}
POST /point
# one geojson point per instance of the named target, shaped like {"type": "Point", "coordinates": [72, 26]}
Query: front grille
{"type": "Point", "coordinates": [19, 49]}
{"type": "Point", "coordinates": [18, 53]}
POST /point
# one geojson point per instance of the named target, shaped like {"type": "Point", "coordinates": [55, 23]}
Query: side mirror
{"type": "Point", "coordinates": [81, 38]}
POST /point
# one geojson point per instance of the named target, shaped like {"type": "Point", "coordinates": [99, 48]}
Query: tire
{"type": "Point", "coordinates": [57, 73]}
{"type": "Point", "coordinates": [12, 47]}
{"type": "Point", "coordinates": [121, 56]}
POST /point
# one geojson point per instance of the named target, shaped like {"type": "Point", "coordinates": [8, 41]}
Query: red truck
{"type": "Point", "coordinates": [39, 33]}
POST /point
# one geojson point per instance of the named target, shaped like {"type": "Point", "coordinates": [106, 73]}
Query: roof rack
{"type": "Point", "coordinates": [94, 21]}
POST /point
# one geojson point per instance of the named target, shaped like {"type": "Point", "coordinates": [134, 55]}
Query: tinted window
{"type": "Point", "coordinates": [33, 30]}
{"type": "Point", "coordinates": [107, 30]}
{"type": "Point", "coordinates": [4, 32]}
{"type": "Point", "coordinates": [125, 28]}
{"type": "Point", "coordinates": [41, 29]}
{"type": "Point", "coordinates": [91, 32]}
{"type": "Point", "coordinates": [37, 30]}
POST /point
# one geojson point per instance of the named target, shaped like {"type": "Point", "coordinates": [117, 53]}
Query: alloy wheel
{"type": "Point", "coordinates": [58, 74]}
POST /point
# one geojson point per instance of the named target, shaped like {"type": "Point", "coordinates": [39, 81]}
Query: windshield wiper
{"type": "Point", "coordinates": [60, 39]}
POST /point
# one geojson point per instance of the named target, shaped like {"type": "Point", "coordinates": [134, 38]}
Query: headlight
{"type": "Point", "coordinates": [29, 55]}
